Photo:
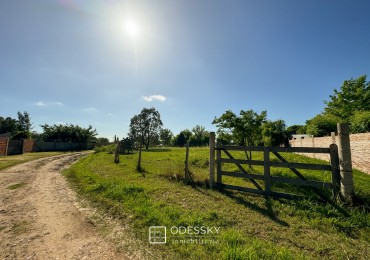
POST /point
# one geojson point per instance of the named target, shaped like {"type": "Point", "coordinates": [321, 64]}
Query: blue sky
{"type": "Point", "coordinates": [100, 62]}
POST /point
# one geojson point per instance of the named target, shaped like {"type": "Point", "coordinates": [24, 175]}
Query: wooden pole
{"type": "Point", "coordinates": [219, 175]}
{"type": "Point", "coordinates": [345, 162]}
{"type": "Point", "coordinates": [116, 153]}
{"type": "Point", "coordinates": [335, 170]}
{"type": "Point", "coordinates": [266, 158]}
{"type": "Point", "coordinates": [212, 144]}
{"type": "Point", "coordinates": [187, 177]}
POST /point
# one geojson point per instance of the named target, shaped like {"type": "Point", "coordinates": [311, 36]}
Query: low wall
{"type": "Point", "coordinates": [360, 148]}
{"type": "Point", "coordinates": [11, 147]}
{"type": "Point", "coordinates": [3, 145]}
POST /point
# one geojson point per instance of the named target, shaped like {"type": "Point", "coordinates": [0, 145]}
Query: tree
{"type": "Point", "coordinates": [354, 95]}
{"type": "Point", "coordinates": [146, 126]}
{"type": "Point", "coordinates": [274, 133]}
{"type": "Point", "coordinates": [246, 128]}
{"type": "Point", "coordinates": [102, 141]}
{"type": "Point", "coordinates": [200, 136]}
{"type": "Point", "coordinates": [322, 125]}
{"type": "Point", "coordinates": [8, 125]}
{"type": "Point", "coordinates": [68, 133]}
{"type": "Point", "coordinates": [24, 122]}
{"type": "Point", "coordinates": [224, 137]}
{"type": "Point", "coordinates": [182, 138]}
{"type": "Point", "coordinates": [296, 129]}
{"type": "Point", "coordinates": [360, 122]}
{"type": "Point", "coordinates": [166, 136]}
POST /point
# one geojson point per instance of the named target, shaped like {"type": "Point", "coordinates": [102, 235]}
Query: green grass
{"type": "Point", "coordinates": [250, 226]}
{"type": "Point", "coordinates": [8, 161]}
{"type": "Point", "coordinates": [16, 186]}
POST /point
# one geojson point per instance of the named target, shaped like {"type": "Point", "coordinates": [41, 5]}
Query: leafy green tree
{"type": "Point", "coordinates": [146, 126]}
{"type": "Point", "coordinates": [360, 122]}
{"type": "Point", "coordinates": [127, 144]}
{"type": "Point", "coordinates": [245, 128]}
{"type": "Point", "coordinates": [274, 133]}
{"type": "Point", "coordinates": [322, 125]}
{"type": "Point", "coordinates": [166, 136]}
{"type": "Point", "coordinates": [144, 129]}
{"type": "Point", "coordinates": [296, 129]}
{"type": "Point", "coordinates": [354, 95]}
{"type": "Point", "coordinates": [224, 137]}
{"type": "Point", "coordinates": [182, 138]}
{"type": "Point", "coordinates": [24, 122]}
{"type": "Point", "coordinates": [8, 125]}
{"type": "Point", "coordinates": [102, 141]}
{"type": "Point", "coordinates": [200, 136]}
{"type": "Point", "coordinates": [68, 133]}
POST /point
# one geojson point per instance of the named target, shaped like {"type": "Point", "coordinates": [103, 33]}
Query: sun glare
{"type": "Point", "coordinates": [132, 29]}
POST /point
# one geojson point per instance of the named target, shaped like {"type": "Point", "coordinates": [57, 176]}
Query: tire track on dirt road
{"type": "Point", "coordinates": [39, 217]}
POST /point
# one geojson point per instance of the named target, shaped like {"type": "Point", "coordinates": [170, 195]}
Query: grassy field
{"type": "Point", "coordinates": [249, 226]}
{"type": "Point", "coordinates": [8, 161]}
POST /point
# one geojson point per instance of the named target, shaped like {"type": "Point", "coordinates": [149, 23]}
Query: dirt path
{"type": "Point", "coordinates": [39, 216]}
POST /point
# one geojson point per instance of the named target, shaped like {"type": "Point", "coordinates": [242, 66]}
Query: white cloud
{"type": "Point", "coordinates": [159, 98]}
{"type": "Point", "coordinates": [44, 104]}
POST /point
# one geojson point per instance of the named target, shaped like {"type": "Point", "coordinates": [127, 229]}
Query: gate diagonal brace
{"type": "Point", "coordinates": [243, 170]}
{"type": "Point", "coordinates": [296, 172]}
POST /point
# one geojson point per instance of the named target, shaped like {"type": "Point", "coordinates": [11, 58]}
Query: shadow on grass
{"type": "Point", "coordinates": [268, 211]}
{"type": "Point", "coordinates": [157, 150]}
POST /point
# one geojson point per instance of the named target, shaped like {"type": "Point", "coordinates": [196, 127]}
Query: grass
{"type": "Point", "coordinates": [21, 227]}
{"type": "Point", "coordinates": [16, 186]}
{"type": "Point", "coordinates": [8, 161]}
{"type": "Point", "coordinates": [250, 226]}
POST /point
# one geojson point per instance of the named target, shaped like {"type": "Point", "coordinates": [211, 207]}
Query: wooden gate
{"type": "Point", "coordinates": [263, 183]}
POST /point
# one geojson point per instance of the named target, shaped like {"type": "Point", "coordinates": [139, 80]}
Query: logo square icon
{"type": "Point", "coordinates": [157, 235]}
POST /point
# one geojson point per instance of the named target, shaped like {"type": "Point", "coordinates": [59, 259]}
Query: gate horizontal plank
{"type": "Point", "coordinates": [242, 161]}
{"type": "Point", "coordinates": [243, 175]}
{"type": "Point", "coordinates": [301, 166]}
{"type": "Point", "coordinates": [275, 149]}
{"type": "Point", "coordinates": [316, 184]}
{"type": "Point", "coordinates": [300, 149]}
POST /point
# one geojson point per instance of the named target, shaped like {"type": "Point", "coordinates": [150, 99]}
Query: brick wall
{"type": "Point", "coordinates": [3, 145]}
{"type": "Point", "coordinates": [28, 146]}
{"type": "Point", "coordinates": [360, 148]}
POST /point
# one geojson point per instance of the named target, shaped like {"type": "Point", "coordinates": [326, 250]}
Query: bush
{"type": "Point", "coordinates": [107, 148]}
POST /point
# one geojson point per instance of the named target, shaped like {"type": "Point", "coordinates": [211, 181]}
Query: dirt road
{"type": "Point", "coordinates": [40, 217]}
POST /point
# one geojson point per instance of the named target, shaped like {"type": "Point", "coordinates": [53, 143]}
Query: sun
{"type": "Point", "coordinates": [132, 29]}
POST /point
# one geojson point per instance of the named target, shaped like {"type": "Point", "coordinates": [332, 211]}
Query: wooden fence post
{"type": "Point", "coordinates": [335, 171]}
{"type": "Point", "coordinates": [116, 153]}
{"type": "Point", "coordinates": [219, 175]}
{"type": "Point", "coordinates": [212, 144]}
{"type": "Point", "coordinates": [187, 175]}
{"type": "Point", "coordinates": [345, 162]}
{"type": "Point", "coordinates": [266, 163]}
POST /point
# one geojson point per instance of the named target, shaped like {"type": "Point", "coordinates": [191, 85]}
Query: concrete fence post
{"type": "Point", "coordinates": [7, 146]}
{"type": "Point", "coordinates": [212, 145]}
{"type": "Point", "coordinates": [345, 162]}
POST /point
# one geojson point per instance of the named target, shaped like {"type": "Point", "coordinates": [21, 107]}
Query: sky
{"type": "Point", "coordinates": [100, 62]}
